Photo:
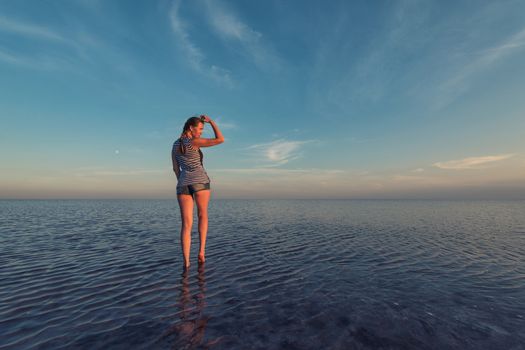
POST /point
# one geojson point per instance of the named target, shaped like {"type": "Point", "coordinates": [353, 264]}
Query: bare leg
{"type": "Point", "coordinates": [202, 198]}
{"type": "Point", "coordinates": [186, 214]}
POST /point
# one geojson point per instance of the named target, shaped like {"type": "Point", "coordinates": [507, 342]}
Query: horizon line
{"type": "Point", "coordinates": [266, 198]}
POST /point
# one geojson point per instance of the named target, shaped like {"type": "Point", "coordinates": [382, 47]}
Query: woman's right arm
{"type": "Point", "coordinates": [202, 142]}
{"type": "Point", "coordinates": [176, 167]}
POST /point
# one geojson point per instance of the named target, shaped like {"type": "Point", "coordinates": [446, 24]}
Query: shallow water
{"type": "Point", "coordinates": [304, 274]}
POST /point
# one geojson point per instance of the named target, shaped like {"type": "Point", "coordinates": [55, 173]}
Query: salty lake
{"type": "Point", "coordinates": [280, 274]}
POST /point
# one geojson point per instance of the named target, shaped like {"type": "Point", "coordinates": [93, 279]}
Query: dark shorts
{"type": "Point", "coordinates": [191, 189]}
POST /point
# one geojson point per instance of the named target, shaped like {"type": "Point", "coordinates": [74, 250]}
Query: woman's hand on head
{"type": "Point", "coordinates": [205, 118]}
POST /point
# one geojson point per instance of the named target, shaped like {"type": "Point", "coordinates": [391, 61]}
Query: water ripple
{"type": "Point", "coordinates": [279, 275]}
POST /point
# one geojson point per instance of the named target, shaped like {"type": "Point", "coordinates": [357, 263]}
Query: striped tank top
{"type": "Point", "coordinates": [190, 163]}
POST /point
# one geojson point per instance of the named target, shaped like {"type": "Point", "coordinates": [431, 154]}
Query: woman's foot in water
{"type": "Point", "coordinates": [202, 259]}
{"type": "Point", "coordinates": [186, 265]}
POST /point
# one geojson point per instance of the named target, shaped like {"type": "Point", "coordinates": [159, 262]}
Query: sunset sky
{"type": "Point", "coordinates": [338, 99]}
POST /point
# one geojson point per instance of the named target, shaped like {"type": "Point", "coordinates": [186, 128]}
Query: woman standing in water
{"type": "Point", "coordinates": [193, 182]}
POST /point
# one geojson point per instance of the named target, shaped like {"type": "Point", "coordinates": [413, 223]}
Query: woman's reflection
{"type": "Point", "coordinates": [190, 329]}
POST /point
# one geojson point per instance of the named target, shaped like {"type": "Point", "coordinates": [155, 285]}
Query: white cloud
{"type": "Point", "coordinates": [471, 162]}
{"type": "Point", "coordinates": [230, 28]}
{"type": "Point", "coordinates": [194, 54]}
{"type": "Point", "coordinates": [278, 152]}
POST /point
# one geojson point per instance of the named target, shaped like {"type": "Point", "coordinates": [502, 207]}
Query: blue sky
{"type": "Point", "coordinates": [345, 99]}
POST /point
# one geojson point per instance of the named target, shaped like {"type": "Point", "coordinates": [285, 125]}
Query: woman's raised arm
{"type": "Point", "coordinates": [202, 142]}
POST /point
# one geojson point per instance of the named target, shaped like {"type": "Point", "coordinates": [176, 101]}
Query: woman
{"type": "Point", "coordinates": [193, 182]}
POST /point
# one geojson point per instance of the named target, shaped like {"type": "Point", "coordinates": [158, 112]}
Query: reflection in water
{"type": "Point", "coordinates": [192, 324]}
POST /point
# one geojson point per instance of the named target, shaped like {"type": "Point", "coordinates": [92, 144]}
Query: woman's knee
{"type": "Point", "coordinates": [202, 215]}
{"type": "Point", "coordinates": [187, 223]}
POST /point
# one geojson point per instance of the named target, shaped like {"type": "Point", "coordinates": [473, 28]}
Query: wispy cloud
{"type": "Point", "coordinates": [46, 60]}
{"type": "Point", "coordinates": [66, 49]}
{"type": "Point", "coordinates": [30, 30]}
{"type": "Point", "coordinates": [278, 152]}
{"type": "Point", "coordinates": [460, 81]}
{"type": "Point", "coordinates": [194, 55]}
{"type": "Point", "coordinates": [399, 38]}
{"type": "Point", "coordinates": [427, 58]}
{"type": "Point", "coordinates": [358, 140]}
{"type": "Point", "coordinates": [350, 71]}
{"type": "Point", "coordinates": [502, 49]}
{"type": "Point", "coordinates": [10, 58]}
{"type": "Point", "coordinates": [37, 61]}
{"type": "Point", "coordinates": [228, 26]}
{"type": "Point", "coordinates": [128, 172]}
{"type": "Point", "coordinates": [225, 124]}
{"type": "Point", "coordinates": [280, 171]}
{"type": "Point", "coordinates": [471, 162]}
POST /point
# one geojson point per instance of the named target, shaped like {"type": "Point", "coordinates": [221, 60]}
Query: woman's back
{"type": "Point", "coordinates": [190, 161]}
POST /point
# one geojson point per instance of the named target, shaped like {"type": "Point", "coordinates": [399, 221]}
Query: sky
{"type": "Point", "coordinates": [339, 99]}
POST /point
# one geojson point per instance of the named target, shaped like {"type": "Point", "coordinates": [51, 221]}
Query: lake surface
{"type": "Point", "coordinates": [280, 274]}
